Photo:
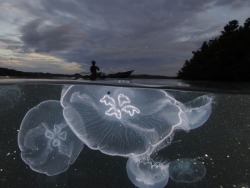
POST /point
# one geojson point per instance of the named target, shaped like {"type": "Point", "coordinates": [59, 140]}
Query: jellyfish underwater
{"type": "Point", "coordinates": [196, 115]}
{"type": "Point", "coordinates": [186, 170]}
{"type": "Point", "coordinates": [46, 142]}
{"type": "Point", "coordinates": [147, 173]}
{"type": "Point", "coordinates": [128, 121]}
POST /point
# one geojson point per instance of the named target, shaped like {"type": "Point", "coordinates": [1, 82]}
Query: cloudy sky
{"type": "Point", "coordinates": [149, 36]}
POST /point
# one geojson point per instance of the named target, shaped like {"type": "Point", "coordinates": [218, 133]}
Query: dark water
{"type": "Point", "coordinates": [222, 144]}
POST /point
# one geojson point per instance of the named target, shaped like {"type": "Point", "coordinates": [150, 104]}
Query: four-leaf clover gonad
{"type": "Point", "coordinates": [122, 106]}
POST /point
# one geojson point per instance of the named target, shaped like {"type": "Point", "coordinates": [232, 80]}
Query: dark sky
{"type": "Point", "coordinates": [151, 37]}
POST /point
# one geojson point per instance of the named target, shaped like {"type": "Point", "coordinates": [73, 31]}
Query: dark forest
{"type": "Point", "coordinates": [224, 58]}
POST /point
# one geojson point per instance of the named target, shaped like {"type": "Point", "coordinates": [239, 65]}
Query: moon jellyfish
{"type": "Point", "coordinates": [186, 170]}
{"type": "Point", "coordinates": [198, 111]}
{"type": "Point", "coordinates": [119, 121]}
{"type": "Point", "coordinates": [122, 121]}
{"type": "Point", "coordinates": [147, 174]}
{"type": "Point", "coordinates": [46, 142]}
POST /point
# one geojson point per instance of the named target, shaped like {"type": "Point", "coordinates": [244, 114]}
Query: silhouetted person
{"type": "Point", "coordinates": [93, 70]}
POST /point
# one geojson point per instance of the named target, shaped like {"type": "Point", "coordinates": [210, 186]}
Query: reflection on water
{"type": "Point", "coordinates": [222, 144]}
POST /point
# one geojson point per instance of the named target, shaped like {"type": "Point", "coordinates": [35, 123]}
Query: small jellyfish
{"type": "Point", "coordinates": [123, 121]}
{"type": "Point", "coordinates": [46, 142]}
{"type": "Point", "coordinates": [146, 173]}
{"type": "Point", "coordinates": [186, 170]}
{"type": "Point", "coordinates": [198, 111]}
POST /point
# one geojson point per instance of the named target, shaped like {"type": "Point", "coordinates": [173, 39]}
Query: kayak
{"type": "Point", "coordinates": [120, 74]}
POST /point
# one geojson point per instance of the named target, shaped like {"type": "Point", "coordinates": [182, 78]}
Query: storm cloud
{"type": "Point", "coordinates": [47, 38]}
{"type": "Point", "coordinates": [151, 37]}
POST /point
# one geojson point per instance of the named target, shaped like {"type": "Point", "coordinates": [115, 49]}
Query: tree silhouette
{"type": "Point", "coordinates": [226, 57]}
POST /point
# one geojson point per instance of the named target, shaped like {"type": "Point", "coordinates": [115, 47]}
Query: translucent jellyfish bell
{"type": "Point", "coordinates": [147, 174]}
{"type": "Point", "coordinates": [186, 170]}
{"type": "Point", "coordinates": [46, 142]}
{"type": "Point", "coordinates": [198, 111]}
{"type": "Point", "coordinates": [122, 121]}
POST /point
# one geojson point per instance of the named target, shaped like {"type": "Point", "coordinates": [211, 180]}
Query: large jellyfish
{"type": "Point", "coordinates": [46, 142]}
{"type": "Point", "coordinates": [186, 170]}
{"type": "Point", "coordinates": [125, 121]}
{"type": "Point", "coordinates": [147, 173]}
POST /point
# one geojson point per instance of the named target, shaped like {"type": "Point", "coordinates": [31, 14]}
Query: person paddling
{"type": "Point", "coordinates": [93, 70]}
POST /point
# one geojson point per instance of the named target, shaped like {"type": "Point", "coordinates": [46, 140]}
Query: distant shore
{"type": "Point", "coordinates": [14, 74]}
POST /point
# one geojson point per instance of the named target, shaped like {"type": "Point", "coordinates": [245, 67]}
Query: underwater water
{"type": "Point", "coordinates": [114, 135]}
